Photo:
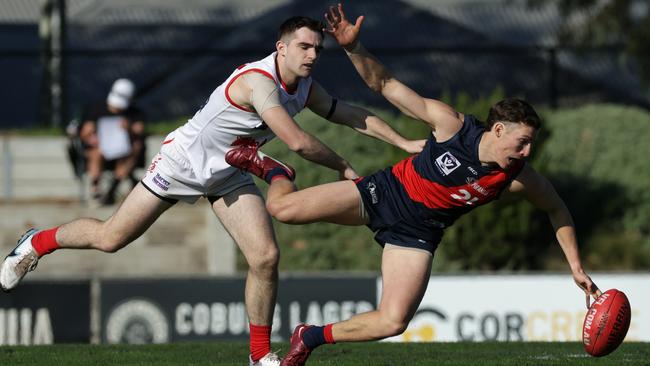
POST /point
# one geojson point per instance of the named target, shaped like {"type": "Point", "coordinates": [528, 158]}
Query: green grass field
{"type": "Point", "coordinates": [375, 354]}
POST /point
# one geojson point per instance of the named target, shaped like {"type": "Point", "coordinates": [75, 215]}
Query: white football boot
{"type": "Point", "coordinates": [270, 359]}
{"type": "Point", "coordinates": [21, 260]}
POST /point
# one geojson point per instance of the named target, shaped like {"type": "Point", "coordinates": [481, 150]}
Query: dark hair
{"type": "Point", "coordinates": [294, 23]}
{"type": "Point", "coordinates": [515, 111]}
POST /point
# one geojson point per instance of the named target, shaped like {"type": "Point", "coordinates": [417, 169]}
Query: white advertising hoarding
{"type": "Point", "coordinates": [517, 308]}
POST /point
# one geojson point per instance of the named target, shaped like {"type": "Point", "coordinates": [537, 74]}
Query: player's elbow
{"type": "Point", "coordinates": [376, 86]}
{"type": "Point", "coordinates": [299, 144]}
{"type": "Point", "coordinates": [552, 204]}
{"type": "Point", "coordinates": [376, 81]}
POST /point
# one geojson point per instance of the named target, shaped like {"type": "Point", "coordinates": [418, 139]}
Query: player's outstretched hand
{"type": "Point", "coordinates": [345, 34]}
{"type": "Point", "coordinates": [348, 174]}
{"type": "Point", "coordinates": [587, 285]}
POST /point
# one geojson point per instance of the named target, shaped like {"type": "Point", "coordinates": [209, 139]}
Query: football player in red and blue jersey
{"type": "Point", "coordinates": [463, 165]}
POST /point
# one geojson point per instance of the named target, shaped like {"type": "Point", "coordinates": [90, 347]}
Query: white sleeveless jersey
{"type": "Point", "coordinates": [201, 144]}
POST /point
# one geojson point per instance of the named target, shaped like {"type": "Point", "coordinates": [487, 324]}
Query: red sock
{"type": "Point", "coordinates": [280, 175]}
{"type": "Point", "coordinates": [260, 341]}
{"type": "Point", "coordinates": [44, 242]}
{"type": "Point", "coordinates": [327, 332]}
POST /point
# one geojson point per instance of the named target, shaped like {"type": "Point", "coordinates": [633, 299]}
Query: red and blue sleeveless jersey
{"type": "Point", "coordinates": [441, 183]}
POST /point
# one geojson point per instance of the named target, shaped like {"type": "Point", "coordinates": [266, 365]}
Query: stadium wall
{"type": "Point", "coordinates": [518, 308]}
{"type": "Point", "coordinates": [455, 308]}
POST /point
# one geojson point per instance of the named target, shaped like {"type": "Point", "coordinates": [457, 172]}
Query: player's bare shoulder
{"type": "Point", "coordinates": [444, 120]}
{"type": "Point", "coordinates": [240, 90]}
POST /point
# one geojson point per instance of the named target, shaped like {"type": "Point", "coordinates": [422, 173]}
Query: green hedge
{"type": "Point", "coordinates": [599, 158]}
{"type": "Point", "coordinates": [595, 156]}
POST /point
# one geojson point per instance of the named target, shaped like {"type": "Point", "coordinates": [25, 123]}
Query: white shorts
{"type": "Point", "coordinates": [163, 178]}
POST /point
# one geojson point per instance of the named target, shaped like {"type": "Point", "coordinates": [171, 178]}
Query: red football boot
{"type": "Point", "coordinates": [245, 155]}
{"type": "Point", "coordinates": [298, 354]}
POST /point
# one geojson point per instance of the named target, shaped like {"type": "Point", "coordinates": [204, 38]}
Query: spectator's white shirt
{"type": "Point", "coordinates": [114, 140]}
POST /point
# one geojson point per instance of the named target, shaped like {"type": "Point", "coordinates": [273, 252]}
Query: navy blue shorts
{"type": "Point", "coordinates": [388, 217]}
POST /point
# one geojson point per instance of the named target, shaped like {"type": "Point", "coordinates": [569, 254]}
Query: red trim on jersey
{"type": "Point", "coordinates": [284, 86]}
{"type": "Point", "coordinates": [168, 141]}
{"type": "Point", "coordinates": [232, 102]}
{"type": "Point", "coordinates": [437, 196]}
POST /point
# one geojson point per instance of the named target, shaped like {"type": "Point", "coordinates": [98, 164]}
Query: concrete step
{"type": "Point", "coordinates": [38, 168]}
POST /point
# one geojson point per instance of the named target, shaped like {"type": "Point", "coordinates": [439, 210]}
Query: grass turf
{"type": "Point", "coordinates": [375, 354]}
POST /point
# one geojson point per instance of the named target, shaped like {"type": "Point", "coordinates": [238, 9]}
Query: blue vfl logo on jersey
{"type": "Point", "coordinates": [447, 163]}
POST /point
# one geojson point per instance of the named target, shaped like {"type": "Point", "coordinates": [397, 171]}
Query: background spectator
{"type": "Point", "coordinates": [112, 136]}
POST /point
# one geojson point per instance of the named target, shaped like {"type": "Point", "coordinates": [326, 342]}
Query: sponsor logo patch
{"type": "Point", "coordinates": [372, 189]}
{"type": "Point", "coordinates": [161, 182]}
{"type": "Point", "coordinates": [447, 163]}
{"type": "Point", "coordinates": [478, 188]}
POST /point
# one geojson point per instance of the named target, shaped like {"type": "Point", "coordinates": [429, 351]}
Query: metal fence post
{"type": "Point", "coordinates": [52, 30]}
{"type": "Point", "coordinates": [7, 168]}
{"type": "Point", "coordinates": [553, 78]}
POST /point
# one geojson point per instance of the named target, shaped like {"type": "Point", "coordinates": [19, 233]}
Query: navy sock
{"type": "Point", "coordinates": [314, 337]}
{"type": "Point", "coordinates": [275, 172]}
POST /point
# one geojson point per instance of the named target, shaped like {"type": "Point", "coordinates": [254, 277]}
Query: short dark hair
{"type": "Point", "coordinates": [294, 23]}
{"type": "Point", "coordinates": [515, 111]}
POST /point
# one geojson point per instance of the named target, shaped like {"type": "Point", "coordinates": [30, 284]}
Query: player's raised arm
{"type": "Point", "coordinates": [361, 120]}
{"type": "Point", "coordinates": [541, 193]}
{"type": "Point", "coordinates": [261, 94]}
{"type": "Point", "coordinates": [442, 118]}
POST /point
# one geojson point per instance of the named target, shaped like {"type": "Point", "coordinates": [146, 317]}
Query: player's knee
{"type": "Point", "coordinates": [394, 327]}
{"type": "Point", "coordinates": [107, 246]}
{"type": "Point", "coordinates": [392, 324]}
{"type": "Point", "coordinates": [265, 260]}
{"type": "Point", "coordinates": [281, 211]}
{"type": "Point", "coordinates": [111, 243]}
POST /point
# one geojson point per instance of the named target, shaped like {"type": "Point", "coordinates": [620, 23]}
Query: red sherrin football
{"type": "Point", "coordinates": [606, 323]}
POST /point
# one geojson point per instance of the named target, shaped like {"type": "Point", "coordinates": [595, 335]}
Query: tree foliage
{"type": "Point", "coordinates": [597, 158]}
{"type": "Point", "coordinates": [623, 23]}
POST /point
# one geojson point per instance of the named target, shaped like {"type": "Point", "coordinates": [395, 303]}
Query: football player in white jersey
{"type": "Point", "coordinates": [256, 103]}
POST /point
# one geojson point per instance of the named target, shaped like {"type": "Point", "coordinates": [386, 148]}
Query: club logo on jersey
{"type": "Point", "coordinates": [154, 163]}
{"type": "Point", "coordinates": [447, 163]}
